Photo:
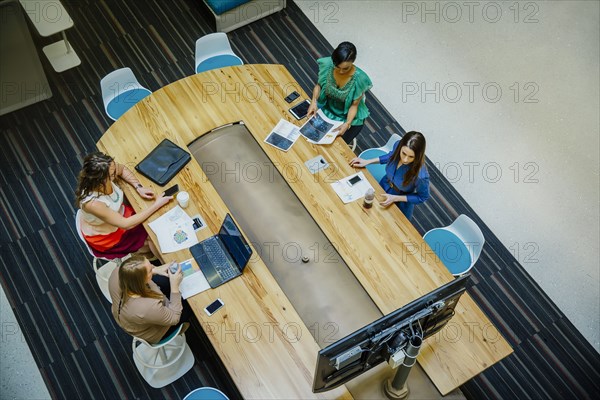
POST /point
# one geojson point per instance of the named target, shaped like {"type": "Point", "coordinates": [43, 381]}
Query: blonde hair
{"type": "Point", "coordinates": [133, 277]}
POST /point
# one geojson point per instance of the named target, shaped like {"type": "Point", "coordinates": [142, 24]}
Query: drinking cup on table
{"type": "Point", "coordinates": [183, 198]}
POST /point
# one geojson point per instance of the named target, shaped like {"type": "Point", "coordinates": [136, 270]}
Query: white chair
{"type": "Point", "coordinates": [458, 245]}
{"type": "Point", "coordinates": [378, 170]}
{"type": "Point", "coordinates": [163, 363]}
{"type": "Point", "coordinates": [206, 393]}
{"type": "Point", "coordinates": [214, 51]}
{"type": "Point", "coordinates": [104, 272]}
{"type": "Point", "coordinates": [121, 91]}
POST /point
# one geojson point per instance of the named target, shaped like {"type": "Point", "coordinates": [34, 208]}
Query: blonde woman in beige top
{"type": "Point", "coordinates": [139, 306]}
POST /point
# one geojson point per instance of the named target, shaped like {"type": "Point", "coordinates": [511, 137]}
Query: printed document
{"type": "Point", "coordinates": [318, 129]}
{"type": "Point", "coordinates": [174, 230]}
{"type": "Point", "coordinates": [284, 135]}
{"type": "Point", "coordinates": [348, 192]}
{"type": "Point", "coordinates": [193, 282]}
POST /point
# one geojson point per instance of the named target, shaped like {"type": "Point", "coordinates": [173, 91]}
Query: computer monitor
{"type": "Point", "coordinates": [375, 343]}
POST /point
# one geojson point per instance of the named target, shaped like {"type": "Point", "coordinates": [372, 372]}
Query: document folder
{"type": "Point", "coordinates": [164, 162]}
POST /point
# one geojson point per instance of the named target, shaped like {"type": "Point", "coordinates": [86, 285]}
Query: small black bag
{"type": "Point", "coordinates": [164, 162]}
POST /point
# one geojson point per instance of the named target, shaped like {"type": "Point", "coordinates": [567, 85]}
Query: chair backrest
{"type": "Point", "coordinates": [206, 393]}
{"type": "Point", "coordinates": [390, 143]}
{"type": "Point", "coordinates": [211, 45]}
{"type": "Point", "coordinates": [80, 233]}
{"type": "Point", "coordinates": [377, 170]}
{"type": "Point", "coordinates": [117, 82]}
{"type": "Point", "coordinates": [466, 229]}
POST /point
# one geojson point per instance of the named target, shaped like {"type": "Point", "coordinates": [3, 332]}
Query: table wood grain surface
{"type": "Point", "coordinates": [262, 341]}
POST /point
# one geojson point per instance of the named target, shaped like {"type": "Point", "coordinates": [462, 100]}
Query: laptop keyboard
{"type": "Point", "coordinates": [219, 260]}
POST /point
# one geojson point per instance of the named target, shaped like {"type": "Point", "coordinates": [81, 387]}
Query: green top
{"type": "Point", "coordinates": [335, 102]}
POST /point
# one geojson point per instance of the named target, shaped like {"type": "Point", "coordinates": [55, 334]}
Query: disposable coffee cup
{"type": "Point", "coordinates": [183, 198]}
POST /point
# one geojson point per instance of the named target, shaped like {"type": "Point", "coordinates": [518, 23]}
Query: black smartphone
{"type": "Point", "coordinates": [300, 110]}
{"type": "Point", "coordinates": [172, 190]}
{"type": "Point", "coordinates": [197, 223]}
{"type": "Point", "coordinates": [353, 181]}
{"type": "Point", "coordinates": [213, 307]}
{"type": "Point", "coordinates": [292, 96]}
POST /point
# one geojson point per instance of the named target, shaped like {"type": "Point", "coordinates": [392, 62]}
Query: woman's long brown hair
{"type": "Point", "coordinates": [132, 280]}
{"type": "Point", "coordinates": [416, 142]}
{"type": "Point", "coordinates": [93, 175]}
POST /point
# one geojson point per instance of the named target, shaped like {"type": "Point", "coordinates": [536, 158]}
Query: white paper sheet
{"type": "Point", "coordinates": [348, 193]}
{"type": "Point", "coordinates": [174, 230]}
{"type": "Point", "coordinates": [318, 129]}
{"type": "Point", "coordinates": [283, 136]}
{"type": "Point", "coordinates": [193, 282]}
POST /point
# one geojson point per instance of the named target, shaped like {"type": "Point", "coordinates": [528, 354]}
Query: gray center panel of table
{"type": "Point", "coordinates": [324, 292]}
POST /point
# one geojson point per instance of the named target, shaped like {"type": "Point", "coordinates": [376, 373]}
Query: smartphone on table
{"type": "Point", "coordinates": [172, 190]}
{"type": "Point", "coordinates": [213, 307]}
{"type": "Point", "coordinates": [354, 180]}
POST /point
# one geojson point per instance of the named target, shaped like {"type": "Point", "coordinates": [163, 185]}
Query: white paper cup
{"type": "Point", "coordinates": [183, 198]}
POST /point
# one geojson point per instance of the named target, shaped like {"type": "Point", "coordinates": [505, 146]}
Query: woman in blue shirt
{"type": "Point", "coordinates": [340, 91]}
{"type": "Point", "coordinates": [406, 180]}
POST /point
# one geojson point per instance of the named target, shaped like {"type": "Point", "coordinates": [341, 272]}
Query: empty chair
{"type": "Point", "coordinates": [458, 245]}
{"type": "Point", "coordinates": [378, 170]}
{"type": "Point", "coordinates": [102, 273]}
{"type": "Point", "coordinates": [214, 51]}
{"type": "Point", "coordinates": [206, 393]}
{"type": "Point", "coordinates": [121, 91]}
{"type": "Point", "coordinates": [164, 362]}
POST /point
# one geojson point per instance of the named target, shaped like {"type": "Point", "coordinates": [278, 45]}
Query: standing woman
{"type": "Point", "coordinates": [340, 91]}
{"type": "Point", "coordinates": [406, 180]}
{"type": "Point", "coordinates": [110, 227]}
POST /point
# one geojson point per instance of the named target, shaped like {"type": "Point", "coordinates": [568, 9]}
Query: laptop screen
{"type": "Point", "coordinates": [235, 242]}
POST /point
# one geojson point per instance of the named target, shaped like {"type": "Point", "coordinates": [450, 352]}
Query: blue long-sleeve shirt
{"type": "Point", "coordinates": [416, 192]}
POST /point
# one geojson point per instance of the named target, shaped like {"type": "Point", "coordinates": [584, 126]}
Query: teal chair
{"type": "Point", "coordinates": [458, 245]}
{"type": "Point", "coordinates": [378, 170]}
{"type": "Point", "coordinates": [206, 393]}
{"type": "Point", "coordinates": [121, 91]}
{"type": "Point", "coordinates": [214, 51]}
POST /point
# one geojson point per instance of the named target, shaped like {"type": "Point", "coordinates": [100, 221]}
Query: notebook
{"type": "Point", "coordinates": [164, 162]}
{"type": "Point", "coordinates": [224, 256]}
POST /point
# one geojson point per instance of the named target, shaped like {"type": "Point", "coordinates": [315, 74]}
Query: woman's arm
{"type": "Point", "coordinates": [349, 118]}
{"type": "Point", "coordinates": [101, 210]}
{"type": "Point", "coordinates": [420, 195]}
{"type": "Point", "coordinates": [129, 177]}
{"type": "Point", "coordinates": [312, 109]}
{"type": "Point", "coordinates": [168, 315]}
{"type": "Point", "coordinates": [361, 163]}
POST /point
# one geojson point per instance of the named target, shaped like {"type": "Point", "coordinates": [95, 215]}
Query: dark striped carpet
{"type": "Point", "coordinates": [47, 274]}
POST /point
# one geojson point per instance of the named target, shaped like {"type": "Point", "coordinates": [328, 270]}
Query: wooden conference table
{"type": "Point", "coordinates": [267, 349]}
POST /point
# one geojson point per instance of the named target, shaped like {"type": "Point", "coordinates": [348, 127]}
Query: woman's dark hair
{"type": "Point", "coordinates": [345, 51]}
{"type": "Point", "coordinates": [93, 175]}
{"type": "Point", "coordinates": [416, 142]}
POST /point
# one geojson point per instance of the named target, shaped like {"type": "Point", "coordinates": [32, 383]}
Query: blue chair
{"type": "Point", "coordinates": [378, 170]}
{"type": "Point", "coordinates": [458, 245]}
{"type": "Point", "coordinates": [214, 51]}
{"type": "Point", "coordinates": [206, 393]}
{"type": "Point", "coordinates": [121, 91]}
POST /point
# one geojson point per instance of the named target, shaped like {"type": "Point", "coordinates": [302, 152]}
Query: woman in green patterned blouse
{"type": "Point", "coordinates": [340, 91]}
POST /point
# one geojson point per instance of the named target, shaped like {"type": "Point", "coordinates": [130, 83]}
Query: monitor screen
{"type": "Point", "coordinates": [235, 242]}
{"type": "Point", "coordinates": [375, 343]}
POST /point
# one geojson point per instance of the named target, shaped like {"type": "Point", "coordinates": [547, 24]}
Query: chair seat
{"type": "Point", "coordinates": [450, 249]}
{"type": "Point", "coordinates": [124, 101]}
{"type": "Point", "coordinates": [220, 61]}
{"type": "Point", "coordinates": [206, 393]}
{"type": "Point", "coordinates": [377, 170]}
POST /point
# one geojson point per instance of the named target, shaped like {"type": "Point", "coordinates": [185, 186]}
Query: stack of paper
{"type": "Point", "coordinates": [319, 129]}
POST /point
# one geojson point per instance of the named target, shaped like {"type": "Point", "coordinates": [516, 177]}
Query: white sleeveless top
{"type": "Point", "coordinates": [94, 225]}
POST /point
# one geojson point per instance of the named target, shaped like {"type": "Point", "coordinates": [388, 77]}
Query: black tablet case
{"type": "Point", "coordinates": [164, 162]}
